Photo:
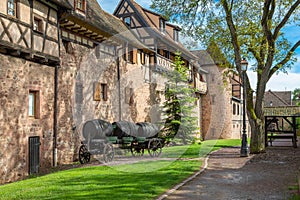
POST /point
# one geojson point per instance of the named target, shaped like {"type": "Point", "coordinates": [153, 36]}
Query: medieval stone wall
{"type": "Point", "coordinates": [282, 111]}
{"type": "Point", "coordinates": [216, 106]}
{"type": "Point", "coordinates": [83, 68]}
{"type": "Point", "coordinates": [17, 78]}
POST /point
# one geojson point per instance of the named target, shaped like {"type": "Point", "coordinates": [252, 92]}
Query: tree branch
{"type": "Point", "coordinates": [254, 53]}
{"type": "Point", "coordinates": [262, 51]}
{"type": "Point", "coordinates": [233, 34]}
{"type": "Point", "coordinates": [285, 60]}
{"type": "Point", "coordinates": [264, 20]}
{"type": "Point", "coordinates": [271, 13]}
{"type": "Point", "coordinates": [286, 18]}
{"type": "Point", "coordinates": [231, 5]}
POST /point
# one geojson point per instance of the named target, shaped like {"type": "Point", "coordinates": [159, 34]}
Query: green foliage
{"type": "Point", "coordinates": [178, 108]}
{"type": "Point", "coordinates": [205, 21]}
{"type": "Point", "coordinates": [296, 96]}
{"type": "Point", "coordinates": [254, 29]}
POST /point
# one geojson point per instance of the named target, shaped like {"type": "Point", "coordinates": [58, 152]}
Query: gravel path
{"type": "Point", "coordinates": [266, 176]}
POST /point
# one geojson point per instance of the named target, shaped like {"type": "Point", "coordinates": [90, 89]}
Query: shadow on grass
{"type": "Point", "coordinates": [102, 182]}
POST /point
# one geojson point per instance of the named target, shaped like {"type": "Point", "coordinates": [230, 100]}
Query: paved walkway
{"type": "Point", "coordinates": [231, 177]}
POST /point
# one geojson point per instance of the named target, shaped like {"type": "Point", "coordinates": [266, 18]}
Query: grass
{"type": "Point", "coordinates": [296, 194]}
{"type": "Point", "coordinates": [142, 180]}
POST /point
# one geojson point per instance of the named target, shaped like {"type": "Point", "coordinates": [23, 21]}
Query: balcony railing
{"type": "Point", "coordinates": [201, 87]}
{"type": "Point", "coordinates": [163, 64]}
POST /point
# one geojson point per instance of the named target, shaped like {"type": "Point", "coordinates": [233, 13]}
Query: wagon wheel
{"type": "Point", "coordinates": [84, 155]}
{"type": "Point", "coordinates": [154, 147]}
{"type": "Point", "coordinates": [108, 153]}
{"type": "Point", "coordinates": [136, 150]}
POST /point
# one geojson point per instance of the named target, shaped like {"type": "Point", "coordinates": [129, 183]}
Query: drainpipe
{"type": "Point", "coordinates": [119, 89]}
{"type": "Point", "coordinates": [55, 113]}
{"type": "Point", "coordinates": [55, 116]}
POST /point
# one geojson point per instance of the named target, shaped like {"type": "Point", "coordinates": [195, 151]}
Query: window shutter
{"type": "Point", "coordinates": [105, 96]}
{"type": "Point", "coordinates": [134, 56]}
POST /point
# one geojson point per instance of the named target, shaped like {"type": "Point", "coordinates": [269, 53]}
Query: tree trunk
{"type": "Point", "coordinates": [257, 142]}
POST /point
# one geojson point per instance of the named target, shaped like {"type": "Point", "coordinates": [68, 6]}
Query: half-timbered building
{"type": "Point", "coordinates": [98, 54]}
{"type": "Point", "coordinates": [29, 56]}
{"type": "Point", "coordinates": [163, 39]}
{"type": "Point", "coordinates": [64, 62]}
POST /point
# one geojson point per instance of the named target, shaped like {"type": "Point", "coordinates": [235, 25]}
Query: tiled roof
{"type": "Point", "coordinates": [101, 22]}
{"type": "Point", "coordinates": [204, 57]}
{"type": "Point", "coordinates": [63, 3]}
{"type": "Point", "coordinates": [212, 56]}
{"type": "Point", "coordinates": [164, 37]}
{"type": "Point", "coordinates": [278, 98]}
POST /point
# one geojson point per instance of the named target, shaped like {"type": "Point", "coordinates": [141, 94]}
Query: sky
{"type": "Point", "coordinates": [280, 82]}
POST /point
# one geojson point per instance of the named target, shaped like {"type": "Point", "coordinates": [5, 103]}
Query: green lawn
{"type": "Point", "coordinates": [142, 180]}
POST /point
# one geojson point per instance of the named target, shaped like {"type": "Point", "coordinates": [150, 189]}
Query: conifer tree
{"type": "Point", "coordinates": [178, 108]}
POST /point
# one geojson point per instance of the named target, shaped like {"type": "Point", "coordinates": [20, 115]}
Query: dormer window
{"type": "Point", "coordinates": [80, 5]}
{"type": "Point", "coordinates": [176, 35]}
{"type": "Point", "coordinates": [162, 25]}
{"type": "Point", "coordinates": [127, 21]}
{"type": "Point", "coordinates": [12, 7]}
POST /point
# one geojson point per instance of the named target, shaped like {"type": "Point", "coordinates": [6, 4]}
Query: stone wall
{"type": "Point", "coordinates": [81, 68]}
{"type": "Point", "coordinates": [68, 139]}
{"type": "Point", "coordinates": [17, 78]}
{"type": "Point", "coordinates": [217, 110]}
{"type": "Point", "coordinates": [282, 111]}
{"type": "Point", "coordinates": [136, 97]}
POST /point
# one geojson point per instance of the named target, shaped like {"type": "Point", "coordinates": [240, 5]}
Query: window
{"type": "Point", "coordinates": [125, 48]}
{"type": "Point", "coordinates": [131, 99]}
{"type": "Point", "coordinates": [143, 57]}
{"type": "Point", "coordinates": [37, 24]}
{"type": "Point", "coordinates": [213, 97]}
{"type": "Point", "coordinates": [103, 91]}
{"type": "Point", "coordinates": [176, 35]}
{"type": "Point", "coordinates": [33, 104]}
{"type": "Point", "coordinates": [162, 25]}
{"type": "Point", "coordinates": [97, 51]}
{"type": "Point", "coordinates": [100, 91]}
{"type": "Point", "coordinates": [234, 109]}
{"type": "Point", "coordinates": [12, 7]}
{"type": "Point", "coordinates": [166, 54]}
{"type": "Point", "coordinates": [80, 5]}
{"type": "Point", "coordinates": [130, 54]}
{"type": "Point", "coordinates": [127, 21]}
{"type": "Point", "coordinates": [202, 78]}
{"type": "Point", "coordinates": [129, 95]}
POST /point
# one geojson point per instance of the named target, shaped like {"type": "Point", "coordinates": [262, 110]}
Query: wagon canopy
{"type": "Point", "coordinates": [124, 129]}
{"type": "Point", "coordinates": [146, 129]}
{"type": "Point", "coordinates": [96, 129]}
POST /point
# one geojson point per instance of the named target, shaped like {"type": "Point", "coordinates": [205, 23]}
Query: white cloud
{"type": "Point", "coordinates": [280, 82]}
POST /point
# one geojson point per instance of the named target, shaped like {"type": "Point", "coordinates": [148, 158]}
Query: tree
{"type": "Point", "coordinates": [253, 29]}
{"type": "Point", "coordinates": [178, 107]}
{"type": "Point", "coordinates": [296, 96]}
